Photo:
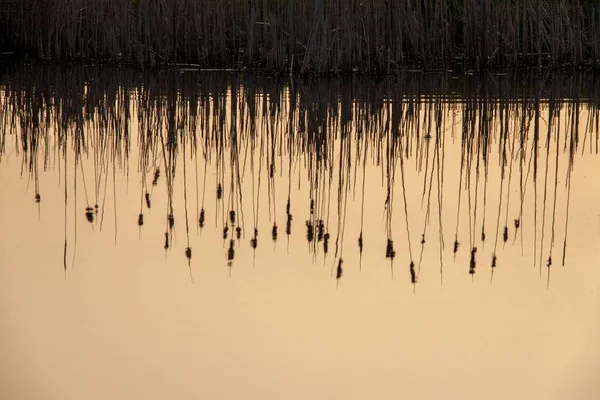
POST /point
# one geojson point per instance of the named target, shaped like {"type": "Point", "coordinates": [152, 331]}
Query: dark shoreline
{"type": "Point", "coordinates": [313, 37]}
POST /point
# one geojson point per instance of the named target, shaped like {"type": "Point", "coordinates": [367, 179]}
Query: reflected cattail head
{"type": "Point", "coordinates": [389, 249]}
{"type": "Point", "coordinates": [140, 219]}
{"type": "Point", "coordinates": [287, 207]}
{"type": "Point", "coordinates": [171, 220]}
{"type": "Point", "coordinates": [288, 225]}
{"type": "Point", "coordinates": [456, 244]}
{"type": "Point", "coordinates": [147, 196]}
{"type": "Point", "coordinates": [274, 232]}
{"type": "Point", "coordinates": [37, 198]}
{"type": "Point", "coordinates": [320, 230]}
{"type": "Point", "coordinates": [505, 234]}
{"type": "Point", "coordinates": [423, 239]}
{"type": "Point", "coordinates": [201, 219]}
{"type": "Point", "coordinates": [225, 232]}
{"type": "Point", "coordinates": [156, 176]}
{"type": "Point", "coordinates": [494, 259]}
{"type": "Point", "coordinates": [339, 271]}
{"type": "Point", "coordinates": [89, 214]}
{"type": "Point", "coordinates": [517, 223]}
{"type": "Point", "coordinates": [254, 240]}
{"type": "Point", "coordinates": [360, 242]}
{"type": "Point", "coordinates": [549, 262]}
{"type": "Point", "coordinates": [232, 216]}
{"type": "Point", "coordinates": [472, 263]}
{"type": "Point", "coordinates": [219, 191]}
{"type": "Point", "coordinates": [166, 240]}
{"type": "Point", "coordinates": [188, 253]}
{"type": "Point", "coordinates": [238, 232]}
{"type": "Point", "coordinates": [310, 234]}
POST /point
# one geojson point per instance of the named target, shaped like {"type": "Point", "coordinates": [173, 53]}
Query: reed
{"type": "Point", "coordinates": [256, 135]}
{"type": "Point", "coordinates": [307, 36]}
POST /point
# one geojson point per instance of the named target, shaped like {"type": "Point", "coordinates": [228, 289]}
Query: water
{"type": "Point", "coordinates": [184, 234]}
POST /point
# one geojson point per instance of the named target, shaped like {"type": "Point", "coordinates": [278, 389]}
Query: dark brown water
{"type": "Point", "coordinates": [184, 234]}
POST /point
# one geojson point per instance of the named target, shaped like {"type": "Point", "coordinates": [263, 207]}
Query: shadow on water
{"type": "Point", "coordinates": [323, 139]}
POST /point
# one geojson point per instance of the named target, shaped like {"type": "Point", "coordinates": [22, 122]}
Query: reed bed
{"type": "Point", "coordinates": [264, 137]}
{"type": "Point", "coordinates": [307, 36]}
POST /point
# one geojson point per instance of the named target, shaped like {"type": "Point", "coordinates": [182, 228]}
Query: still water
{"type": "Point", "coordinates": [185, 234]}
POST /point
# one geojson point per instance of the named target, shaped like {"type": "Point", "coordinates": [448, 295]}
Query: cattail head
{"type": "Point", "coordinates": [219, 191]}
{"type": "Point", "coordinates": [505, 234]}
{"type": "Point", "coordinates": [166, 240]}
{"type": "Point", "coordinates": [232, 216]}
{"type": "Point", "coordinates": [140, 219]}
{"type": "Point", "coordinates": [171, 220]}
{"type": "Point", "coordinates": [37, 198]}
{"type": "Point", "coordinates": [238, 232]}
{"type": "Point", "coordinates": [517, 223]}
{"type": "Point", "coordinates": [274, 232]}
{"type": "Point", "coordinates": [225, 232]}
{"type": "Point", "coordinates": [188, 253]}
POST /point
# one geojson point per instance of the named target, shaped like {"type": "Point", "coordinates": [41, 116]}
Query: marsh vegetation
{"type": "Point", "coordinates": [465, 167]}
{"type": "Point", "coordinates": [315, 36]}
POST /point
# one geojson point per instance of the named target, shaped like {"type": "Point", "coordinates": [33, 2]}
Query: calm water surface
{"type": "Point", "coordinates": [182, 234]}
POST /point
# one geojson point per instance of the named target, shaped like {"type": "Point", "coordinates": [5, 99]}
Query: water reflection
{"type": "Point", "coordinates": [475, 165]}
